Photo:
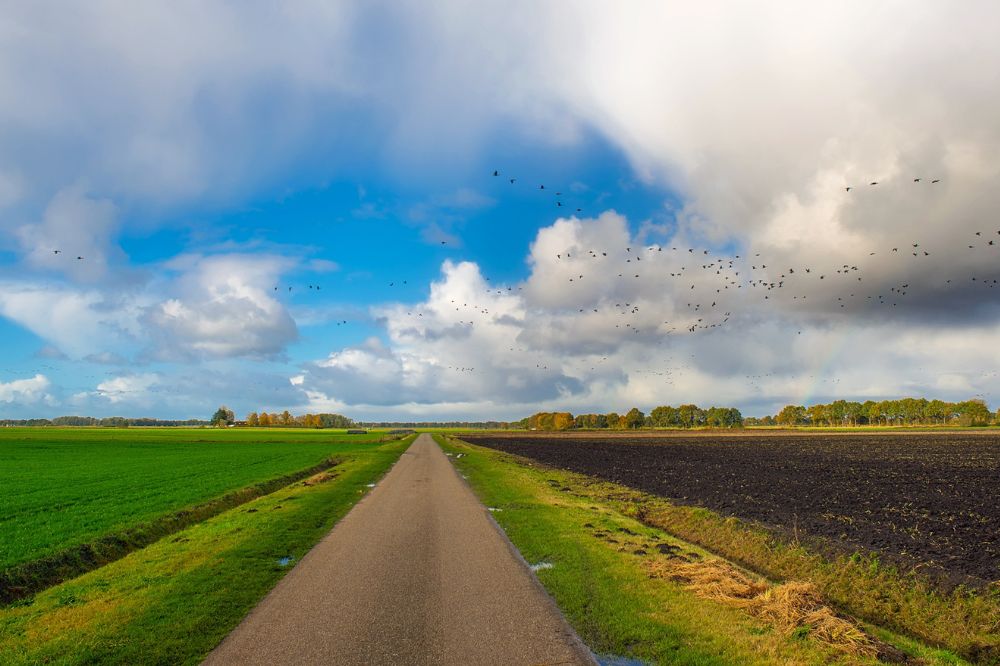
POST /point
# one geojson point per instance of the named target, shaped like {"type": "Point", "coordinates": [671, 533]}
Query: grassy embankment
{"type": "Point", "coordinates": [622, 585]}
{"type": "Point", "coordinates": [174, 600]}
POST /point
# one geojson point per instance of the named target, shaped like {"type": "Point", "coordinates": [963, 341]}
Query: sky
{"type": "Point", "coordinates": [293, 206]}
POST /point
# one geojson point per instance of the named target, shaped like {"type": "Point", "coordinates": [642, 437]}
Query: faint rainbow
{"type": "Point", "coordinates": [823, 369]}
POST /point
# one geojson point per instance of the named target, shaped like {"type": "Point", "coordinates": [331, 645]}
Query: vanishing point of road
{"type": "Point", "coordinates": [416, 573]}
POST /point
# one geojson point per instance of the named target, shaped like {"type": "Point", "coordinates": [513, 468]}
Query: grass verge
{"type": "Point", "coordinates": [173, 601]}
{"type": "Point", "coordinates": [607, 576]}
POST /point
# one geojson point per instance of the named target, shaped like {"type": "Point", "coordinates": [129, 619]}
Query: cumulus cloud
{"type": "Point", "coordinates": [25, 391]}
{"type": "Point", "coordinates": [134, 388]}
{"type": "Point", "coordinates": [436, 351]}
{"type": "Point", "coordinates": [216, 306]}
{"type": "Point", "coordinates": [222, 306]}
{"type": "Point", "coordinates": [687, 329]}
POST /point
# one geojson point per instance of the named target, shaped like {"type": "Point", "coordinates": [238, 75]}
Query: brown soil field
{"type": "Point", "coordinates": [923, 500]}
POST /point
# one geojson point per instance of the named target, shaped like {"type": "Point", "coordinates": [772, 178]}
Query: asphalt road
{"type": "Point", "coordinates": [416, 573]}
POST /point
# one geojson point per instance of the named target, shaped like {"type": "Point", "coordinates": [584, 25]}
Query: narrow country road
{"type": "Point", "coordinates": [416, 573]}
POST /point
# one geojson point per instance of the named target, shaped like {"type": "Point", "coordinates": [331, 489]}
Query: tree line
{"type": "Point", "coordinates": [472, 425]}
{"type": "Point", "coordinates": [905, 411]}
{"type": "Point", "coordinates": [106, 422]}
{"type": "Point", "coordinates": [665, 416]}
{"type": "Point", "coordinates": [285, 419]}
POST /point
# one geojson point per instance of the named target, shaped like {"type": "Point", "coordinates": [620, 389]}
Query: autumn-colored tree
{"type": "Point", "coordinates": [285, 419]}
{"type": "Point", "coordinates": [562, 421]}
{"type": "Point", "coordinates": [818, 414]}
{"type": "Point", "coordinates": [264, 420]}
{"type": "Point", "coordinates": [252, 419]}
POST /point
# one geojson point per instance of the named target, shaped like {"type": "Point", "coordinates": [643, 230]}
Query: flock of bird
{"type": "Point", "coordinates": [708, 286]}
{"type": "Point", "coordinates": [717, 285]}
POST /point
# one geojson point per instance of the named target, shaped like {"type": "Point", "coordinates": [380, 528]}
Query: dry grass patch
{"type": "Point", "coordinates": [316, 479]}
{"type": "Point", "coordinates": [790, 607]}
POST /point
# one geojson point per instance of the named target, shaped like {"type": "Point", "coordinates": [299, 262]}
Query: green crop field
{"type": "Point", "coordinates": [63, 487]}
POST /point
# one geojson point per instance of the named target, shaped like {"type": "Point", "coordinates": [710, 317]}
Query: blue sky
{"type": "Point", "coordinates": [215, 164]}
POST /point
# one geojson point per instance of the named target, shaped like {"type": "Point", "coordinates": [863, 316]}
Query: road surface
{"type": "Point", "coordinates": [416, 573]}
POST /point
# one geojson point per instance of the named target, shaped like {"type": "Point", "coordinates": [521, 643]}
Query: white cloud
{"type": "Point", "coordinates": [133, 388]}
{"type": "Point", "coordinates": [223, 306]}
{"type": "Point", "coordinates": [77, 321]}
{"type": "Point", "coordinates": [216, 306]}
{"type": "Point", "coordinates": [25, 391]}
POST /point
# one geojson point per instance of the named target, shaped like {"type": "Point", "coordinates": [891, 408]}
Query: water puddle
{"type": "Point", "coordinates": [616, 660]}
{"type": "Point", "coordinates": [541, 565]}
{"type": "Point", "coordinates": [285, 561]}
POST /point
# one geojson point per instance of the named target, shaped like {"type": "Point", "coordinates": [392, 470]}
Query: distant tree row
{"type": "Point", "coordinates": [286, 420]}
{"type": "Point", "coordinates": [906, 411]}
{"type": "Point", "coordinates": [106, 422]}
{"type": "Point", "coordinates": [685, 416]}
{"type": "Point", "coordinates": [489, 425]}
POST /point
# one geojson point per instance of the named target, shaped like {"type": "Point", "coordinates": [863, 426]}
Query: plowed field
{"type": "Point", "coordinates": [928, 499]}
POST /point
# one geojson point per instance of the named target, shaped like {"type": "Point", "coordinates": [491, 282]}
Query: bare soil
{"type": "Point", "coordinates": [924, 500]}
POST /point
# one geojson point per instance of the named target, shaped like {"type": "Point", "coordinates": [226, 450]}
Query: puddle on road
{"type": "Point", "coordinates": [615, 660]}
{"type": "Point", "coordinates": [541, 565]}
{"type": "Point", "coordinates": [285, 561]}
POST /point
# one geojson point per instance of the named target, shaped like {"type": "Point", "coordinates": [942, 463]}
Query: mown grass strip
{"type": "Point", "coordinates": [29, 578]}
{"type": "Point", "coordinates": [601, 574]}
{"type": "Point", "coordinates": [173, 601]}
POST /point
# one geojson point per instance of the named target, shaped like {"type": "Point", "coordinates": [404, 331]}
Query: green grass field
{"type": "Point", "coordinates": [60, 487]}
{"type": "Point", "coordinates": [173, 601]}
